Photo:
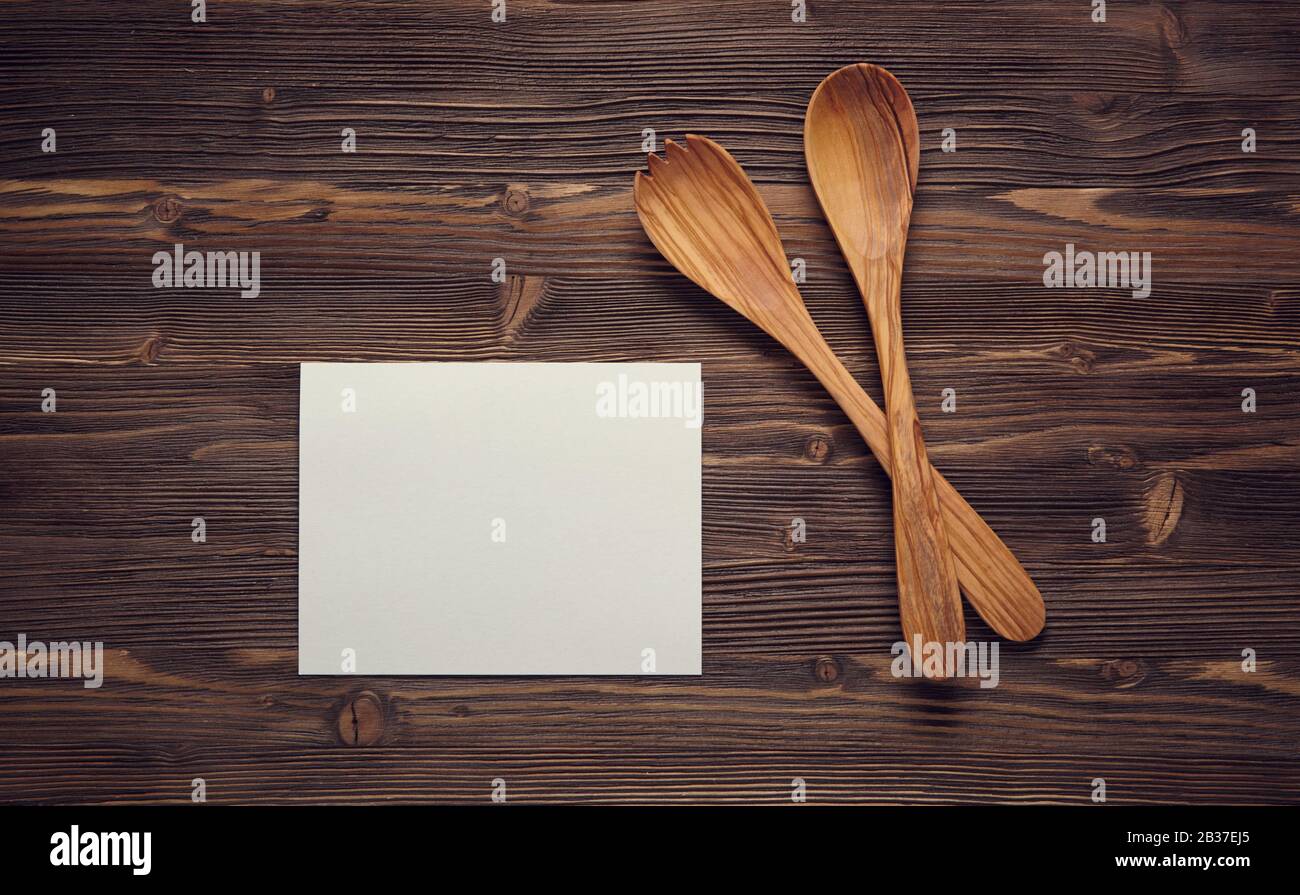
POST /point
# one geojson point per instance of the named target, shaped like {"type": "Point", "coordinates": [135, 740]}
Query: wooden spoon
{"type": "Point", "coordinates": [706, 218]}
{"type": "Point", "coordinates": [859, 166]}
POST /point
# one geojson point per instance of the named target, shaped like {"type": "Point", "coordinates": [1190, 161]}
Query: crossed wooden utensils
{"type": "Point", "coordinates": [862, 146]}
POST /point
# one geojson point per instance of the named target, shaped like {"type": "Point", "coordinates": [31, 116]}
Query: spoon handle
{"type": "Point", "coordinates": [994, 581]}
{"type": "Point", "coordinates": [929, 601]}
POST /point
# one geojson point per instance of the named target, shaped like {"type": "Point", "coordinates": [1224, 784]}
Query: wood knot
{"type": "Point", "coordinates": [268, 94]}
{"type": "Point", "coordinates": [515, 201]}
{"type": "Point", "coordinates": [167, 209]}
{"type": "Point", "coordinates": [149, 352]}
{"type": "Point", "coordinates": [1164, 507]}
{"type": "Point", "coordinates": [361, 720]}
{"type": "Point", "coordinates": [1095, 103]}
{"type": "Point", "coordinates": [826, 669]}
{"type": "Point", "coordinates": [1117, 456]}
{"type": "Point", "coordinates": [1172, 30]}
{"type": "Point", "coordinates": [817, 448]}
{"type": "Point", "coordinates": [1077, 356]}
{"type": "Point", "coordinates": [521, 296]}
{"type": "Point", "coordinates": [1124, 673]}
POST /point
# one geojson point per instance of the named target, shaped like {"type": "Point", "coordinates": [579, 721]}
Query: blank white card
{"type": "Point", "coordinates": [499, 518]}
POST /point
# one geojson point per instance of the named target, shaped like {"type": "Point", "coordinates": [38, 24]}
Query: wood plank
{"type": "Point", "coordinates": [977, 332]}
{"type": "Point", "coordinates": [124, 775]}
{"type": "Point", "coordinates": [1026, 138]}
{"type": "Point", "coordinates": [845, 702]}
{"type": "Point", "coordinates": [453, 46]}
{"type": "Point", "coordinates": [958, 234]}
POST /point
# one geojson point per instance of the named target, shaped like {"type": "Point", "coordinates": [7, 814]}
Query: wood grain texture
{"type": "Point", "coordinates": [519, 141]}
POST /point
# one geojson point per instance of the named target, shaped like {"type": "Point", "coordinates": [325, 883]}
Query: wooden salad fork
{"type": "Point", "coordinates": [703, 214]}
{"type": "Point", "coordinates": [860, 170]}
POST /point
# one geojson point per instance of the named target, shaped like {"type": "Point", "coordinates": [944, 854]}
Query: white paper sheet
{"type": "Point", "coordinates": [499, 518]}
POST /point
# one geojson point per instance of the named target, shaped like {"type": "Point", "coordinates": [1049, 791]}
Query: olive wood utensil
{"type": "Point", "coordinates": [859, 165]}
{"type": "Point", "coordinates": [703, 214]}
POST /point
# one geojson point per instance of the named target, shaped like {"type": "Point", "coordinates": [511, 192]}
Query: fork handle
{"type": "Point", "coordinates": [993, 580]}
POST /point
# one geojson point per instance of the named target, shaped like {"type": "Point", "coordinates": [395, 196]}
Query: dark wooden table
{"type": "Point", "coordinates": [479, 140]}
